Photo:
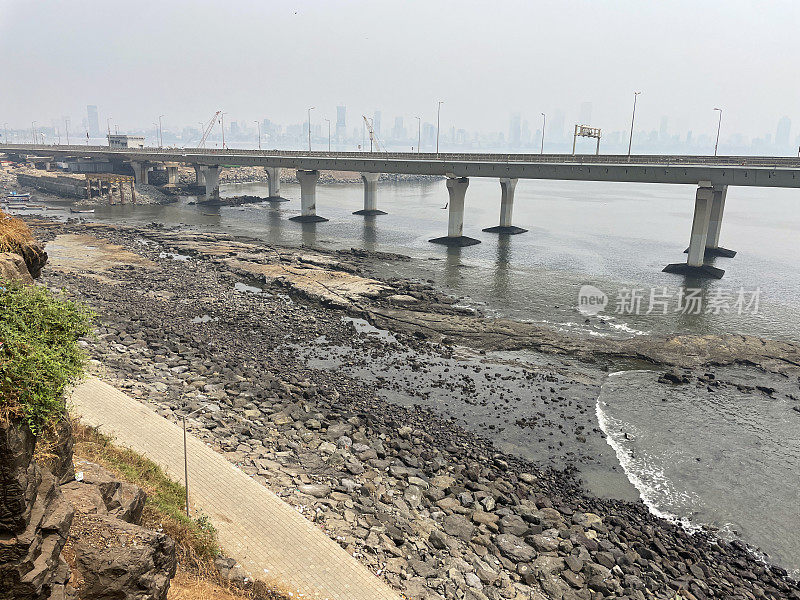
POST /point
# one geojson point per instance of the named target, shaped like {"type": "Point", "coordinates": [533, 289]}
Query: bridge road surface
{"type": "Point", "coordinates": [266, 536]}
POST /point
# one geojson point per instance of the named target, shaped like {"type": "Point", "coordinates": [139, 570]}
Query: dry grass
{"type": "Point", "coordinates": [14, 233]}
{"type": "Point", "coordinates": [195, 540]}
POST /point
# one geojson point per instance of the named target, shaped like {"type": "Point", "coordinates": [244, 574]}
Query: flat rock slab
{"type": "Point", "coordinates": [270, 539]}
{"type": "Point", "coordinates": [91, 256]}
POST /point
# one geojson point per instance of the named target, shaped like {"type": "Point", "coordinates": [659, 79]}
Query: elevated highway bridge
{"type": "Point", "coordinates": [711, 174]}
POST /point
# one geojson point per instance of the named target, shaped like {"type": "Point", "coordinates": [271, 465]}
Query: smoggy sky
{"type": "Point", "coordinates": [273, 59]}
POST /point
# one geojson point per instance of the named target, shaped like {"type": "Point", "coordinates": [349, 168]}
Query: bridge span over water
{"type": "Point", "coordinates": [711, 174]}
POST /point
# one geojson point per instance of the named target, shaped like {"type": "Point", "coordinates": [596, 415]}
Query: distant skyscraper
{"type": "Point", "coordinates": [515, 131]}
{"type": "Point", "coordinates": [663, 130]}
{"type": "Point", "coordinates": [376, 123]}
{"type": "Point", "coordinates": [586, 113]}
{"type": "Point", "coordinates": [92, 120]}
{"type": "Point", "coordinates": [399, 132]}
{"type": "Point", "coordinates": [341, 125]}
{"type": "Point", "coordinates": [555, 129]}
{"type": "Point", "coordinates": [783, 132]}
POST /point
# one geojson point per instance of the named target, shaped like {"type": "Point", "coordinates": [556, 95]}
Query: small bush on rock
{"type": "Point", "coordinates": [39, 353]}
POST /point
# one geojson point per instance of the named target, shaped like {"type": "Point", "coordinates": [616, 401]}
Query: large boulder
{"type": "Point", "coordinates": [121, 499]}
{"type": "Point", "coordinates": [116, 560]}
{"type": "Point", "coordinates": [35, 258]}
{"type": "Point", "coordinates": [13, 268]}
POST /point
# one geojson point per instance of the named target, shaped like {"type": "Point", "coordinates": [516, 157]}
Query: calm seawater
{"type": "Point", "coordinates": [728, 460]}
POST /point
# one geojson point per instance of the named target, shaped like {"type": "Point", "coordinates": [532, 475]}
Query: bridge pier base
{"type": "Point", "coordinates": [140, 171]}
{"type": "Point", "coordinates": [457, 190]}
{"type": "Point", "coordinates": [695, 262]}
{"type": "Point", "coordinates": [370, 195]}
{"type": "Point", "coordinates": [274, 182]}
{"type": "Point", "coordinates": [715, 224]}
{"type": "Point", "coordinates": [211, 176]}
{"type": "Point", "coordinates": [172, 174]}
{"type": "Point", "coordinates": [308, 198]}
{"type": "Point", "coordinates": [507, 187]}
{"type": "Point", "coordinates": [199, 175]}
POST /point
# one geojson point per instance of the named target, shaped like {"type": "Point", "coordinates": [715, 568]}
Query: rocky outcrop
{"type": "Point", "coordinates": [35, 258]}
{"type": "Point", "coordinates": [13, 268]}
{"type": "Point", "coordinates": [34, 520]}
{"type": "Point", "coordinates": [90, 523]}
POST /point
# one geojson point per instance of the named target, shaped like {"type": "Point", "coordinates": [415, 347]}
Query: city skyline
{"type": "Point", "coordinates": [528, 59]}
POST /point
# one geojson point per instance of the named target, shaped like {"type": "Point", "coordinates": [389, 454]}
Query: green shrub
{"type": "Point", "coordinates": [39, 356]}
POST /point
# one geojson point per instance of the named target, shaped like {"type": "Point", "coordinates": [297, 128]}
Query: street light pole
{"type": "Point", "coordinates": [633, 117]}
{"type": "Point", "coordinates": [258, 123]}
{"type": "Point", "coordinates": [419, 134]}
{"type": "Point", "coordinates": [329, 134]}
{"type": "Point", "coordinates": [222, 122]}
{"type": "Point", "coordinates": [719, 126]}
{"type": "Point", "coordinates": [33, 131]}
{"type": "Point", "coordinates": [160, 133]}
{"type": "Point", "coordinates": [66, 126]}
{"type": "Point", "coordinates": [544, 126]}
{"type": "Point", "coordinates": [438, 123]}
{"type": "Point", "coordinates": [108, 125]}
{"type": "Point", "coordinates": [309, 127]}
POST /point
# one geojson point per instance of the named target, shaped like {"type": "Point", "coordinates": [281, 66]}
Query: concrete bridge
{"type": "Point", "coordinates": [711, 174]}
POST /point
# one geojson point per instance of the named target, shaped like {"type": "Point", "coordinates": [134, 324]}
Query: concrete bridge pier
{"type": "Point", "coordinates": [370, 195]}
{"type": "Point", "coordinates": [199, 175]}
{"type": "Point", "coordinates": [308, 197]}
{"type": "Point", "coordinates": [715, 224]}
{"type": "Point", "coordinates": [172, 174]}
{"type": "Point", "coordinates": [507, 187]}
{"type": "Point", "coordinates": [456, 189]}
{"type": "Point", "coordinates": [695, 262]}
{"type": "Point", "coordinates": [140, 171]}
{"type": "Point", "coordinates": [274, 182]}
{"type": "Point", "coordinates": [211, 176]}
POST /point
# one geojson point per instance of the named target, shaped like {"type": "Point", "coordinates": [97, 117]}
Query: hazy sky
{"type": "Point", "coordinates": [486, 60]}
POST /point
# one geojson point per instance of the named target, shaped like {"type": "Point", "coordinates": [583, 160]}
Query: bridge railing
{"type": "Point", "coordinates": [578, 159]}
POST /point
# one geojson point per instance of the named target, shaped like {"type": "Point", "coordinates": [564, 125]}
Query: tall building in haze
{"type": "Point", "coordinates": [585, 114]}
{"type": "Point", "coordinates": [783, 132]}
{"type": "Point", "coordinates": [515, 131]}
{"type": "Point", "coordinates": [92, 120]}
{"type": "Point", "coordinates": [341, 125]}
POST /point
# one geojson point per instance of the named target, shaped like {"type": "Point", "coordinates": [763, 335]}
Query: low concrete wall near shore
{"type": "Point", "coordinates": [61, 186]}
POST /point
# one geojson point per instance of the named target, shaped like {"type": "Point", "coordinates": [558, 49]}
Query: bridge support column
{"type": "Point", "coordinates": [274, 182]}
{"type": "Point", "coordinates": [507, 187]}
{"type": "Point", "coordinates": [172, 175]}
{"type": "Point", "coordinates": [211, 176]}
{"type": "Point", "coordinates": [457, 190]}
{"type": "Point", "coordinates": [715, 224]}
{"type": "Point", "coordinates": [308, 198]}
{"type": "Point", "coordinates": [695, 262]}
{"type": "Point", "coordinates": [370, 195]}
{"type": "Point", "coordinates": [140, 171]}
{"type": "Point", "coordinates": [199, 175]}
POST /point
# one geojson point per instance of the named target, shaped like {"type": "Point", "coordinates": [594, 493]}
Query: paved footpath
{"type": "Point", "coordinates": [266, 536]}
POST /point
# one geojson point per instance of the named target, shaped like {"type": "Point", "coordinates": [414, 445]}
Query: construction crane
{"type": "Point", "coordinates": [372, 136]}
{"type": "Point", "coordinates": [208, 129]}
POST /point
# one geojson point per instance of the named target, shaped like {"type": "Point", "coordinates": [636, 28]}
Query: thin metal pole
{"type": "Point", "coordinates": [633, 117]}
{"type": "Point", "coordinates": [185, 466]}
{"type": "Point", "coordinates": [438, 123]}
{"type": "Point", "coordinates": [66, 125]}
{"type": "Point", "coordinates": [329, 134]}
{"type": "Point", "coordinates": [544, 126]}
{"type": "Point", "coordinates": [160, 133]}
{"type": "Point", "coordinates": [719, 126]}
{"type": "Point", "coordinates": [222, 122]}
{"type": "Point", "coordinates": [259, 133]}
{"type": "Point", "coordinates": [419, 134]}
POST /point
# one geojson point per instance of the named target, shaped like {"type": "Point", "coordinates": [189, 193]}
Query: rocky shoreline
{"type": "Point", "coordinates": [432, 506]}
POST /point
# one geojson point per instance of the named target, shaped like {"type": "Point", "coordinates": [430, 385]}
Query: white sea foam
{"type": "Point", "coordinates": [649, 479]}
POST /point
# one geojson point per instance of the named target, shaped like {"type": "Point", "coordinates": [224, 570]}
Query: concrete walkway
{"type": "Point", "coordinates": [266, 536]}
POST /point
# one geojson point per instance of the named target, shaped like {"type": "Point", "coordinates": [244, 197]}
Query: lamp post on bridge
{"type": "Point", "coordinates": [438, 122]}
{"type": "Point", "coordinates": [544, 126]}
{"type": "Point", "coordinates": [258, 124]}
{"type": "Point", "coordinates": [309, 127]}
{"type": "Point", "coordinates": [419, 134]}
{"type": "Point", "coordinates": [108, 125]}
{"type": "Point", "coordinates": [719, 126]}
{"type": "Point", "coordinates": [66, 127]}
{"type": "Point", "coordinates": [329, 134]}
{"type": "Point", "coordinates": [160, 133]}
{"type": "Point", "coordinates": [633, 118]}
